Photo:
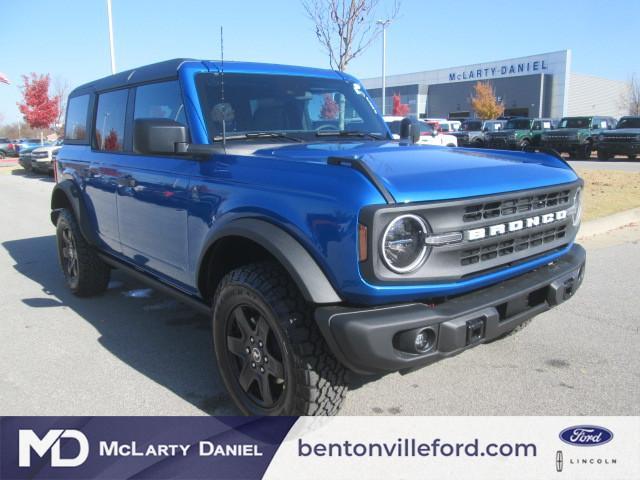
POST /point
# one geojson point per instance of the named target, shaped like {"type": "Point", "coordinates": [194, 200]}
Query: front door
{"type": "Point", "coordinates": [153, 193]}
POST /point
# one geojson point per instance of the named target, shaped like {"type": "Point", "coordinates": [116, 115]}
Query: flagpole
{"type": "Point", "coordinates": [113, 57]}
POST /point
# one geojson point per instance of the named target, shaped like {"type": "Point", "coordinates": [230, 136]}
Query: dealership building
{"type": "Point", "coordinates": [536, 86]}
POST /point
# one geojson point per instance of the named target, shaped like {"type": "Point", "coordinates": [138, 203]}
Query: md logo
{"type": "Point", "coordinates": [28, 441]}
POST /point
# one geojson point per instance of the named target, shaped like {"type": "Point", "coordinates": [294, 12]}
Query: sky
{"type": "Point", "coordinates": [69, 39]}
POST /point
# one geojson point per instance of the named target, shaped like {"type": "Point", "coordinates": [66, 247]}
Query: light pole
{"type": "Point", "coordinates": [113, 57]}
{"type": "Point", "coordinates": [384, 24]}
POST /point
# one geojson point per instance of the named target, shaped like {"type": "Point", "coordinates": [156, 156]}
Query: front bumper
{"type": "Point", "coordinates": [43, 165]}
{"type": "Point", "coordinates": [619, 148]}
{"type": "Point", "coordinates": [502, 144]}
{"type": "Point", "coordinates": [565, 146]}
{"type": "Point", "coordinates": [363, 338]}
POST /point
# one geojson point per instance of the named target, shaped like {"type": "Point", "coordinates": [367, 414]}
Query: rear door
{"type": "Point", "coordinates": [153, 195]}
{"type": "Point", "coordinates": [107, 148]}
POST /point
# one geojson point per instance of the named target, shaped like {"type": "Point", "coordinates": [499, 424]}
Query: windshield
{"type": "Point", "coordinates": [299, 106]}
{"type": "Point", "coordinates": [577, 122]}
{"type": "Point", "coordinates": [629, 123]}
{"type": "Point", "coordinates": [471, 126]}
{"type": "Point", "coordinates": [426, 128]}
{"type": "Point", "coordinates": [518, 124]}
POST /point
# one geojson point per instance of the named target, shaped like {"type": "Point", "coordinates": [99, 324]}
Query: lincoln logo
{"type": "Point", "coordinates": [514, 226]}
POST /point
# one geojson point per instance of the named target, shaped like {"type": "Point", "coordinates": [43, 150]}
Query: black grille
{"type": "Point", "coordinates": [620, 138]}
{"type": "Point", "coordinates": [507, 247]}
{"type": "Point", "coordinates": [485, 211]}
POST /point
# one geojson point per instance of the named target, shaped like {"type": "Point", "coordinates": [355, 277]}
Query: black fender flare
{"type": "Point", "coordinates": [71, 191]}
{"type": "Point", "coordinates": [304, 270]}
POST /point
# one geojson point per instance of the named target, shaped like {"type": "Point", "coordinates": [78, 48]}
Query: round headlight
{"type": "Point", "coordinates": [403, 243]}
{"type": "Point", "coordinates": [576, 214]}
{"type": "Point", "coordinates": [600, 138]}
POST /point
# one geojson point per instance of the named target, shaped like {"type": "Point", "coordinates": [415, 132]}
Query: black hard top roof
{"type": "Point", "coordinates": [155, 71]}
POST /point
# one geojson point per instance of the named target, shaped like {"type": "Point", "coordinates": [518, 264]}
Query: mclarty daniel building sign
{"type": "Point", "coordinates": [535, 85]}
{"type": "Point", "coordinates": [499, 71]}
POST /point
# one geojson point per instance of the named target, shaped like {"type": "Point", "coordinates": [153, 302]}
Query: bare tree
{"type": "Point", "coordinates": [630, 98]}
{"type": "Point", "coordinates": [345, 28]}
{"type": "Point", "coordinates": [61, 90]}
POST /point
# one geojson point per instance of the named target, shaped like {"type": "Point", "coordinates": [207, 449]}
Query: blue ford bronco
{"type": "Point", "coordinates": [274, 200]}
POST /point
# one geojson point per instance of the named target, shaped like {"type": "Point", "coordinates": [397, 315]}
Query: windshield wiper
{"type": "Point", "coordinates": [252, 135]}
{"type": "Point", "coordinates": [348, 133]}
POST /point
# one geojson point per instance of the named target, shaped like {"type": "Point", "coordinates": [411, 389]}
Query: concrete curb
{"type": "Point", "coordinates": [609, 223]}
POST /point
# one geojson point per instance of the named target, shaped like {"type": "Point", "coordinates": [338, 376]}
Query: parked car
{"type": "Point", "coordinates": [42, 157]}
{"type": "Point", "coordinates": [25, 158]}
{"type": "Point", "coordinates": [577, 135]}
{"type": "Point", "coordinates": [519, 133]}
{"type": "Point", "coordinates": [28, 143]}
{"type": "Point", "coordinates": [7, 148]}
{"type": "Point", "coordinates": [472, 132]}
{"type": "Point", "coordinates": [446, 126]}
{"type": "Point", "coordinates": [315, 243]}
{"type": "Point", "coordinates": [623, 140]}
{"type": "Point", "coordinates": [429, 134]}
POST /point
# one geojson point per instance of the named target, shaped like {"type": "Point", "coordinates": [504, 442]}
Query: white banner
{"type": "Point", "coordinates": [474, 448]}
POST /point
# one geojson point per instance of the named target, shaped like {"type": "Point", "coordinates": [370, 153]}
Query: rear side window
{"type": "Point", "coordinates": [110, 119]}
{"type": "Point", "coordinates": [75, 128]}
{"type": "Point", "coordinates": [159, 100]}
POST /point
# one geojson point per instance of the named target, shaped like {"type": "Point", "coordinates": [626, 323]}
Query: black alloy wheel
{"type": "Point", "coordinates": [257, 357]}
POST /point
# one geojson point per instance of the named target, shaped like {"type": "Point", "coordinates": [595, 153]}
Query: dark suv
{"type": "Point", "coordinates": [519, 133]}
{"type": "Point", "coordinates": [623, 140]}
{"type": "Point", "coordinates": [577, 136]}
{"type": "Point", "coordinates": [273, 199]}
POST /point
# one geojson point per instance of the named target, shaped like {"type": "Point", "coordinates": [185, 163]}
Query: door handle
{"type": "Point", "coordinates": [126, 181]}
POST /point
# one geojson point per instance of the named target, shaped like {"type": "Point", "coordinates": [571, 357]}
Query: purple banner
{"type": "Point", "coordinates": [139, 447]}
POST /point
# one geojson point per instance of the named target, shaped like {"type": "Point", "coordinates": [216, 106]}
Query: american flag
{"type": "Point", "coordinates": [4, 79]}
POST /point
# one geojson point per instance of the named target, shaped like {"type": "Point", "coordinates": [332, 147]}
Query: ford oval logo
{"type": "Point", "coordinates": [586, 435]}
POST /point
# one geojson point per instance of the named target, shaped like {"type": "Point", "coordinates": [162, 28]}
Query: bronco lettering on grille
{"type": "Point", "coordinates": [514, 226]}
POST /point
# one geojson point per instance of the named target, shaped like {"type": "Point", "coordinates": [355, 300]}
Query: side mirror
{"type": "Point", "coordinates": [158, 135]}
{"type": "Point", "coordinates": [409, 130]}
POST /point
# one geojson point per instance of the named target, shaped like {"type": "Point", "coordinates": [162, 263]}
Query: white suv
{"type": "Point", "coordinates": [428, 134]}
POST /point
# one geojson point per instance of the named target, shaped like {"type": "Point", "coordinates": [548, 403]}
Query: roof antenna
{"type": "Point", "coordinates": [224, 115]}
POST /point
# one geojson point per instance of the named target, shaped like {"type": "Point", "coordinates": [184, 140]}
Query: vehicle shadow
{"type": "Point", "coordinates": [159, 337]}
{"type": "Point", "coordinates": [153, 334]}
{"type": "Point", "coordinates": [43, 177]}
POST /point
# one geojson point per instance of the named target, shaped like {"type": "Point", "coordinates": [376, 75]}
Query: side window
{"type": "Point", "coordinates": [537, 125]}
{"type": "Point", "coordinates": [112, 107]}
{"type": "Point", "coordinates": [75, 128]}
{"type": "Point", "coordinates": [159, 100]}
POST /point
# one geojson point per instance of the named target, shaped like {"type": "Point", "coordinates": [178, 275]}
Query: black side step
{"type": "Point", "coordinates": [187, 299]}
{"type": "Point", "coordinates": [362, 167]}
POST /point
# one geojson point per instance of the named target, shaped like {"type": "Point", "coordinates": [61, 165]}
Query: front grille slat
{"type": "Point", "coordinates": [506, 208]}
{"type": "Point", "coordinates": [514, 245]}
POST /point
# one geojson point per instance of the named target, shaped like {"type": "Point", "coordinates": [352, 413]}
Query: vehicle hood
{"type": "Point", "coordinates": [48, 148]}
{"type": "Point", "coordinates": [415, 173]}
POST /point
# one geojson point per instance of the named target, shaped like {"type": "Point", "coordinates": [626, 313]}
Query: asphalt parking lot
{"type": "Point", "coordinates": [134, 352]}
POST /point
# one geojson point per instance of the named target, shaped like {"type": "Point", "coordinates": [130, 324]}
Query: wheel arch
{"type": "Point", "coordinates": [66, 194]}
{"type": "Point", "coordinates": [248, 240]}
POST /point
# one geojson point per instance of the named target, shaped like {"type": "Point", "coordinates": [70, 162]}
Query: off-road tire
{"type": "Point", "coordinates": [314, 381]}
{"type": "Point", "coordinates": [93, 274]}
{"type": "Point", "coordinates": [525, 144]}
{"type": "Point", "coordinates": [584, 151]}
